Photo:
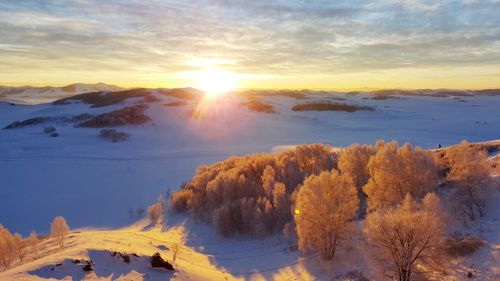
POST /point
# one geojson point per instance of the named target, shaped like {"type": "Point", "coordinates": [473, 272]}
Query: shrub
{"type": "Point", "coordinates": [49, 130]}
{"type": "Point", "coordinates": [155, 211]}
{"type": "Point", "coordinates": [464, 246]}
{"type": "Point", "coordinates": [326, 206]}
{"type": "Point", "coordinates": [113, 135]}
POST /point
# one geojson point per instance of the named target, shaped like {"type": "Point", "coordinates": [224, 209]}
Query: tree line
{"type": "Point", "coordinates": [315, 195]}
{"type": "Point", "coordinates": [15, 246]}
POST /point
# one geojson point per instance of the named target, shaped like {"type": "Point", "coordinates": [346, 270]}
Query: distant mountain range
{"type": "Point", "coordinates": [35, 95]}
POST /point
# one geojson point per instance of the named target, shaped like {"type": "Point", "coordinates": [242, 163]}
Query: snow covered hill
{"type": "Point", "coordinates": [37, 95]}
{"type": "Point", "coordinates": [54, 161]}
{"type": "Point", "coordinates": [186, 131]}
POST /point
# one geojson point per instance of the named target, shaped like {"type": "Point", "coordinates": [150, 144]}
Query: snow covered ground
{"type": "Point", "coordinates": [98, 184]}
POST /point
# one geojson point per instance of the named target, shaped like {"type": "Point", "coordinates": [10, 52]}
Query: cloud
{"type": "Point", "coordinates": [290, 37]}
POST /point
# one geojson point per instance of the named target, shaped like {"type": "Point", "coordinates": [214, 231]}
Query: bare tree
{"type": "Point", "coordinates": [326, 206]}
{"type": "Point", "coordinates": [396, 171]}
{"type": "Point", "coordinates": [33, 243]}
{"type": "Point", "coordinates": [59, 229]}
{"type": "Point", "coordinates": [156, 211]}
{"type": "Point", "coordinates": [406, 235]}
{"type": "Point", "coordinates": [175, 251]}
{"type": "Point", "coordinates": [19, 246]}
{"type": "Point", "coordinates": [470, 172]}
{"type": "Point", "coordinates": [6, 247]}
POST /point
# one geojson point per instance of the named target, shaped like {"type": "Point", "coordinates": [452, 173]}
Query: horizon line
{"type": "Point", "coordinates": [365, 88]}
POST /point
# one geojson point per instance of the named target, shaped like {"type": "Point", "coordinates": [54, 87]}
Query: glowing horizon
{"type": "Point", "coordinates": [324, 45]}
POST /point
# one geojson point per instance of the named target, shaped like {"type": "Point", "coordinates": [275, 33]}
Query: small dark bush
{"type": "Point", "coordinates": [461, 247]}
{"type": "Point", "coordinates": [81, 117]}
{"type": "Point", "coordinates": [355, 275]}
{"type": "Point", "coordinates": [54, 135]}
{"type": "Point", "coordinates": [158, 262]}
{"type": "Point", "coordinates": [176, 103]}
{"type": "Point", "coordinates": [330, 107]}
{"type": "Point", "coordinates": [49, 130]}
{"type": "Point", "coordinates": [113, 135]}
{"type": "Point", "coordinates": [28, 122]}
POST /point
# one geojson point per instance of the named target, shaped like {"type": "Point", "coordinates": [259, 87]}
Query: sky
{"type": "Point", "coordinates": [292, 44]}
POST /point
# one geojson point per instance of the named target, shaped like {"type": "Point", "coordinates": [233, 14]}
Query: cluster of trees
{"type": "Point", "coordinates": [252, 194]}
{"type": "Point", "coordinates": [316, 195]}
{"type": "Point", "coordinates": [14, 246]}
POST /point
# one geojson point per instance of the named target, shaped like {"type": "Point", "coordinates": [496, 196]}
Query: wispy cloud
{"type": "Point", "coordinates": [159, 39]}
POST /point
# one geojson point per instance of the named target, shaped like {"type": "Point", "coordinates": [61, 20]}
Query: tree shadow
{"type": "Point", "coordinates": [105, 264]}
{"type": "Point", "coordinates": [240, 256]}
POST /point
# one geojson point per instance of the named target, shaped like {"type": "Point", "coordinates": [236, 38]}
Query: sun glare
{"type": "Point", "coordinates": [214, 82]}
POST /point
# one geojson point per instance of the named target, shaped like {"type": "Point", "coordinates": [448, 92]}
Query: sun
{"type": "Point", "coordinates": [215, 82]}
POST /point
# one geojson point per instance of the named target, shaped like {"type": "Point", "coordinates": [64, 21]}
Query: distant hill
{"type": "Point", "coordinates": [35, 95]}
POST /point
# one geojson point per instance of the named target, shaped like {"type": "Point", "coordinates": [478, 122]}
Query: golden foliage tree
{"type": "Point", "coordinates": [395, 171]}
{"type": "Point", "coordinates": [353, 161]}
{"type": "Point", "coordinates": [7, 247]}
{"type": "Point", "coordinates": [326, 206]}
{"type": "Point", "coordinates": [59, 229]}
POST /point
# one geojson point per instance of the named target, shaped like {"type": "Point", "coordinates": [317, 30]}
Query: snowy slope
{"type": "Point", "coordinates": [94, 183]}
{"type": "Point", "coordinates": [78, 167]}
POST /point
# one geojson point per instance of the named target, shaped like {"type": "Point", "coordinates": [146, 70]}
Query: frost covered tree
{"type": "Point", "coordinates": [7, 248]}
{"type": "Point", "coordinates": [354, 161]}
{"type": "Point", "coordinates": [251, 194]}
{"type": "Point", "coordinates": [407, 235]}
{"type": "Point", "coordinates": [33, 243]}
{"type": "Point", "coordinates": [395, 171]}
{"type": "Point", "coordinates": [470, 172]}
{"type": "Point", "coordinates": [156, 211]}
{"type": "Point", "coordinates": [19, 246]}
{"type": "Point", "coordinates": [59, 229]}
{"type": "Point", "coordinates": [281, 206]}
{"type": "Point", "coordinates": [326, 206]}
